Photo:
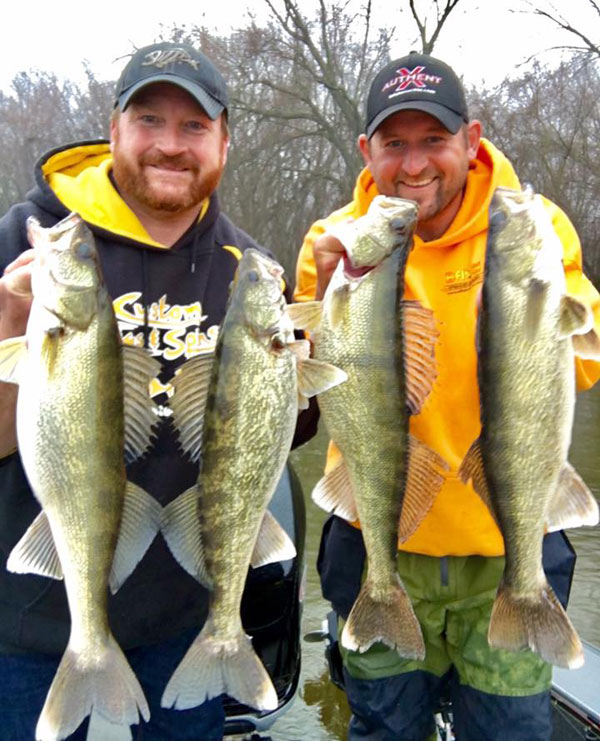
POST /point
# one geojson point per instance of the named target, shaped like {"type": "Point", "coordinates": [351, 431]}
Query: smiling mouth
{"type": "Point", "coordinates": [417, 186]}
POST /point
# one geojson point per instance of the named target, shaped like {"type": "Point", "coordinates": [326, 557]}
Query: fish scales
{"type": "Point", "coordinates": [71, 431]}
{"type": "Point", "coordinates": [252, 399]}
{"type": "Point", "coordinates": [363, 330]}
{"type": "Point", "coordinates": [526, 377]}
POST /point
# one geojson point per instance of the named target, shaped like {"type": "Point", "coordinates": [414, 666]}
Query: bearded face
{"type": "Point", "coordinates": [168, 155]}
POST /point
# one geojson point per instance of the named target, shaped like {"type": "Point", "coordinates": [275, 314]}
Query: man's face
{"type": "Point", "coordinates": [411, 155]}
{"type": "Point", "coordinates": [168, 155]}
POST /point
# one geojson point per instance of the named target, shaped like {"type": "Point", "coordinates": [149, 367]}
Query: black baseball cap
{"type": "Point", "coordinates": [179, 64]}
{"type": "Point", "coordinates": [418, 82]}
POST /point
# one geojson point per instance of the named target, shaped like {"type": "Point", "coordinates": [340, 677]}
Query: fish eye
{"type": "Point", "coordinates": [84, 249]}
{"type": "Point", "coordinates": [399, 225]}
{"type": "Point", "coordinates": [253, 276]}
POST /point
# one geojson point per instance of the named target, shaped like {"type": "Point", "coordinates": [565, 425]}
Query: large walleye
{"type": "Point", "coordinates": [252, 390]}
{"type": "Point", "coordinates": [386, 346]}
{"type": "Point", "coordinates": [71, 370]}
{"type": "Point", "coordinates": [528, 331]}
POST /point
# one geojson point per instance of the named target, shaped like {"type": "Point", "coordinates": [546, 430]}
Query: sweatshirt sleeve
{"type": "Point", "coordinates": [580, 287]}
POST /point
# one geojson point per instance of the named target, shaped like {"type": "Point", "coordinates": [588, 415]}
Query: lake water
{"type": "Point", "coordinates": [321, 713]}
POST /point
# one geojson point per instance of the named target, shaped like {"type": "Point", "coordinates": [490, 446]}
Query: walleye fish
{"type": "Point", "coordinates": [71, 371]}
{"type": "Point", "coordinates": [386, 346]}
{"type": "Point", "coordinates": [528, 331]}
{"type": "Point", "coordinates": [237, 413]}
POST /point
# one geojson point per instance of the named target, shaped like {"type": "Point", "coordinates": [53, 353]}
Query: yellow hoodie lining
{"type": "Point", "coordinates": [80, 179]}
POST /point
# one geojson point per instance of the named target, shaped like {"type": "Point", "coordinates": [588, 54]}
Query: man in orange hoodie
{"type": "Point", "coordinates": [420, 144]}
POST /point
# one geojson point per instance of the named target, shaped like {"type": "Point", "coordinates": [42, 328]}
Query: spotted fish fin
{"type": "Point", "coordinates": [305, 315]}
{"type": "Point", "coordinates": [315, 377]}
{"type": "Point", "coordinates": [189, 402]}
{"type": "Point", "coordinates": [13, 352]}
{"type": "Point", "coordinates": [36, 553]}
{"type": "Point", "coordinates": [472, 469]}
{"type": "Point", "coordinates": [139, 368]}
{"type": "Point", "coordinates": [140, 522]}
{"type": "Point", "coordinates": [273, 543]}
{"type": "Point", "coordinates": [420, 337]}
{"type": "Point", "coordinates": [214, 666]}
{"type": "Point", "coordinates": [573, 505]}
{"type": "Point", "coordinates": [536, 621]}
{"type": "Point", "coordinates": [392, 622]}
{"type": "Point", "coordinates": [424, 480]}
{"type": "Point", "coordinates": [180, 527]}
{"type": "Point", "coordinates": [333, 493]}
{"type": "Point", "coordinates": [106, 684]}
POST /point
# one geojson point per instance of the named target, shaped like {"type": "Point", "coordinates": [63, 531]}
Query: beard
{"type": "Point", "coordinates": [132, 180]}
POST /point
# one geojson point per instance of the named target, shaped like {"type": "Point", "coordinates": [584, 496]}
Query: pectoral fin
{"type": "Point", "coordinates": [537, 295]}
{"type": "Point", "coordinates": [13, 354]}
{"type": "Point", "coordinates": [180, 526]}
{"type": "Point", "coordinates": [575, 317]}
{"type": "Point", "coordinates": [420, 337]}
{"type": "Point", "coordinates": [424, 480]}
{"type": "Point", "coordinates": [315, 377]}
{"type": "Point", "coordinates": [587, 345]}
{"type": "Point", "coordinates": [36, 553]}
{"type": "Point", "coordinates": [333, 493]}
{"type": "Point", "coordinates": [272, 544]}
{"type": "Point", "coordinates": [305, 315]}
{"type": "Point", "coordinates": [573, 505]}
{"type": "Point", "coordinates": [189, 402]}
{"type": "Point", "coordinates": [140, 522]}
{"type": "Point", "coordinates": [139, 368]}
{"type": "Point", "coordinates": [472, 469]}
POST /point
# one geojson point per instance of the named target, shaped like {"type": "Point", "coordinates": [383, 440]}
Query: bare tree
{"type": "Point", "coordinates": [587, 39]}
{"type": "Point", "coordinates": [548, 123]}
{"type": "Point", "coordinates": [442, 12]}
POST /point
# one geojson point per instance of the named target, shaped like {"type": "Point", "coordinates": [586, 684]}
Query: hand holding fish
{"type": "Point", "coordinates": [328, 251]}
{"type": "Point", "coordinates": [15, 296]}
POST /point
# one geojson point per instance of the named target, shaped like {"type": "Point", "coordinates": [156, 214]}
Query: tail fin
{"type": "Point", "coordinates": [538, 622]}
{"type": "Point", "coordinates": [213, 666]}
{"type": "Point", "coordinates": [390, 620]}
{"type": "Point", "coordinates": [107, 686]}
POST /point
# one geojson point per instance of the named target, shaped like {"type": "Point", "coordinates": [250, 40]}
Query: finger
{"type": "Point", "coordinates": [18, 280]}
{"type": "Point", "coordinates": [24, 258]}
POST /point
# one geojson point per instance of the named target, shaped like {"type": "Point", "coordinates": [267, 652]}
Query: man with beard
{"type": "Point", "coordinates": [168, 256]}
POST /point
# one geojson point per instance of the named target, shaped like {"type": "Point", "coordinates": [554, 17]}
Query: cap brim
{"type": "Point", "coordinates": [450, 120]}
{"type": "Point", "coordinates": [212, 107]}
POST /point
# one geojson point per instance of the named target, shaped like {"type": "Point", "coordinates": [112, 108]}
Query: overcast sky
{"type": "Point", "coordinates": [483, 42]}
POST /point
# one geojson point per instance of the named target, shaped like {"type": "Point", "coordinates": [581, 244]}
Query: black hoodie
{"type": "Point", "coordinates": [172, 300]}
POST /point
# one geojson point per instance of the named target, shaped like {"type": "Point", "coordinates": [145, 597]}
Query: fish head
{"type": "Point", "coordinates": [258, 292]}
{"type": "Point", "coordinates": [66, 273]}
{"type": "Point", "coordinates": [521, 236]}
{"type": "Point", "coordinates": [389, 224]}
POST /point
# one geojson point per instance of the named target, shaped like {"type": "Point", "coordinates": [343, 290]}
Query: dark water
{"type": "Point", "coordinates": [320, 713]}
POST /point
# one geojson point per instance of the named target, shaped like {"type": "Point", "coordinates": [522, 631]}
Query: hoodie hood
{"type": "Point", "coordinates": [488, 170]}
{"type": "Point", "coordinates": [77, 178]}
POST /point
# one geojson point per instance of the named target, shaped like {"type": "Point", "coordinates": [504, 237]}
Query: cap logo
{"type": "Point", "coordinates": [407, 77]}
{"type": "Point", "coordinates": [162, 57]}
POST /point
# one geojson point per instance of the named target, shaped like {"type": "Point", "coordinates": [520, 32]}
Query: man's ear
{"type": "Point", "coordinates": [364, 146]}
{"type": "Point", "coordinates": [473, 138]}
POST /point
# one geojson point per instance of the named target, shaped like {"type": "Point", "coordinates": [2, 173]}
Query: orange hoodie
{"type": "Point", "coordinates": [445, 275]}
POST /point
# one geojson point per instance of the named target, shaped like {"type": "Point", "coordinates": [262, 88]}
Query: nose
{"type": "Point", "coordinates": [170, 141]}
{"type": "Point", "coordinates": [414, 161]}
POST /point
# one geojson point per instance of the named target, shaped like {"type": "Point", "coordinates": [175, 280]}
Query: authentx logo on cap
{"type": "Point", "coordinates": [178, 64]}
{"type": "Point", "coordinates": [417, 82]}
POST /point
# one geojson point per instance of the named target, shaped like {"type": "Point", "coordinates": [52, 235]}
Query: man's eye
{"type": "Point", "coordinates": [147, 118]}
{"type": "Point", "coordinates": [195, 126]}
